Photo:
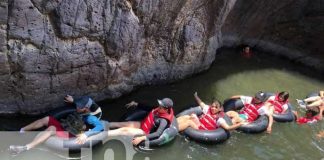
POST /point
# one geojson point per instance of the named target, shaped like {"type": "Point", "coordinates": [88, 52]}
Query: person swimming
{"type": "Point", "coordinates": [246, 52]}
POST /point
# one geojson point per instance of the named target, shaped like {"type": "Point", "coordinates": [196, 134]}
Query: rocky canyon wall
{"type": "Point", "coordinates": [105, 48]}
{"type": "Point", "coordinates": [101, 48]}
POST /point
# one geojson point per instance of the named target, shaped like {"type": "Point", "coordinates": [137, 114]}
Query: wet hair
{"type": "Point", "coordinates": [314, 113]}
{"type": "Point", "coordinates": [284, 95]}
{"type": "Point", "coordinates": [73, 123]}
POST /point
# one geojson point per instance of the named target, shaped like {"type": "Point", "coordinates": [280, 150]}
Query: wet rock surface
{"type": "Point", "coordinates": [292, 29]}
{"type": "Point", "coordinates": [105, 48]}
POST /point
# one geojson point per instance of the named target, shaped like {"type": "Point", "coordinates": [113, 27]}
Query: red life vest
{"type": "Point", "coordinates": [148, 123]}
{"type": "Point", "coordinates": [251, 110]}
{"type": "Point", "coordinates": [303, 120]}
{"type": "Point", "coordinates": [278, 105]}
{"type": "Point", "coordinates": [208, 121]}
{"type": "Point", "coordinates": [246, 54]}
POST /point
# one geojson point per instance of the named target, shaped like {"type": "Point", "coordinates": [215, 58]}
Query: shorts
{"type": "Point", "coordinates": [59, 129]}
{"type": "Point", "coordinates": [243, 116]}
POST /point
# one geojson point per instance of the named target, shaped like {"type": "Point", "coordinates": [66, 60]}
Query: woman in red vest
{"type": "Point", "coordinates": [279, 102]}
{"type": "Point", "coordinates": [151, 127]}
{"type": "Point", "coordinates": [211, 119]}
{"type": "Point", "coordinates": [276, 104]}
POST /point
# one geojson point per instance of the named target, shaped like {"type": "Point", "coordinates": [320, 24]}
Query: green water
{"type": "Point", "coordinates": [229, 75]}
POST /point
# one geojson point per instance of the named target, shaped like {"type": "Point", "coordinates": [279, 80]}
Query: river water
{"type": "Point", "coordinates": [230, 75]}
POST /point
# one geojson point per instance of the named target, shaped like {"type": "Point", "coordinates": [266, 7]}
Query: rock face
{"type": "Point", "coordinates": [293, 29]}
{"type": "Point", "coordinates": [105, 48]}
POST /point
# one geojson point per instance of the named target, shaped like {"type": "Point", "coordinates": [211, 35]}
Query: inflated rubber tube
{"type": "Point", "coordinates": [313, 94]}
{"type": "Point", "coordinates": [257, 126]}
{"type": "Point", "coordinates": [167, 136]}
{"type": "Point", "coordinates": [205, 136]}
{"type": "Point", "coordinates": [288, 116]}
{"type": "Point", "coordinates": [60, 144]}
{"type": "Point", "coordinates": [233, 105]}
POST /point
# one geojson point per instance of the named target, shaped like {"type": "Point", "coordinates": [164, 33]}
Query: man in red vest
{"type": "Point", "coordinates": [151, 127]}
{"type": "Point", "coordinates": [211, 119]}
{"type": "Point", "coordinates": [253, 107]}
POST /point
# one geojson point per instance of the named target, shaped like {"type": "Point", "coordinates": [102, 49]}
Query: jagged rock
{"type": "Point", "coordinates": [105, 48]}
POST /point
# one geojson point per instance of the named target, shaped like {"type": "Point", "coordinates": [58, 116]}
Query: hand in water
{"type": "Point", "coordinates": [131, 104]}
{"type": "Point", "coordinates": [269, 130]}
{"type": "Point", "coordinates": [320, 134]}
{"type": "Point", "coordinates": [81, 139]}
{"type": "Point", "coordinates": [195, 94]}
{"type": "Point", "coordinates": [138, 140]}
{"type": "Point", "coordinates": [68, 99]}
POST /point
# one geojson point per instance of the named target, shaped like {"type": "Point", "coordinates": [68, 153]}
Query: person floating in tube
{"type": "Point", "coordinates": [277, 104]}
{"type": "Point", "coordinates": [73, 125]}
{"type": "Point", "coordinates": [253, 107]}
{"type": "Point", "coordinates": [153, 125]}
{"type": "Point", "coordinates": [312, 102]}
{"type": "Point", "coordinates": [211, 119]}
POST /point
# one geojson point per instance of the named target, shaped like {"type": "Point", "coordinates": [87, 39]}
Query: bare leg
{"type": "Point", "coordinates": [194, 118]}
{"type": "Point", "coordinates": [37, 124]}
{"type": "Point", "coordinates": [234, 116]}
{"type": "Point", "coordinates": [312, 99]}
{"type": "Point", "coordinates": [315, 104]}
{"type": "Point", "coordinates": [187, 121]}
{"type": "Point", "coordinates": [132, 124]}
{"type": "Point", "coordinates": [125, 131]}
{"type": "Point", "coordinates": [42, 137]}
{"type": "Point", "coordinates": [296, 115]}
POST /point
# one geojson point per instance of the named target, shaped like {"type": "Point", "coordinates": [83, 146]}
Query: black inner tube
{"type": "Point", "coordinates": [60, 144]}
{"type": "Point", "coordinates": [257, 126]}
{"type": "Point", "coordinates": [205, 136]}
